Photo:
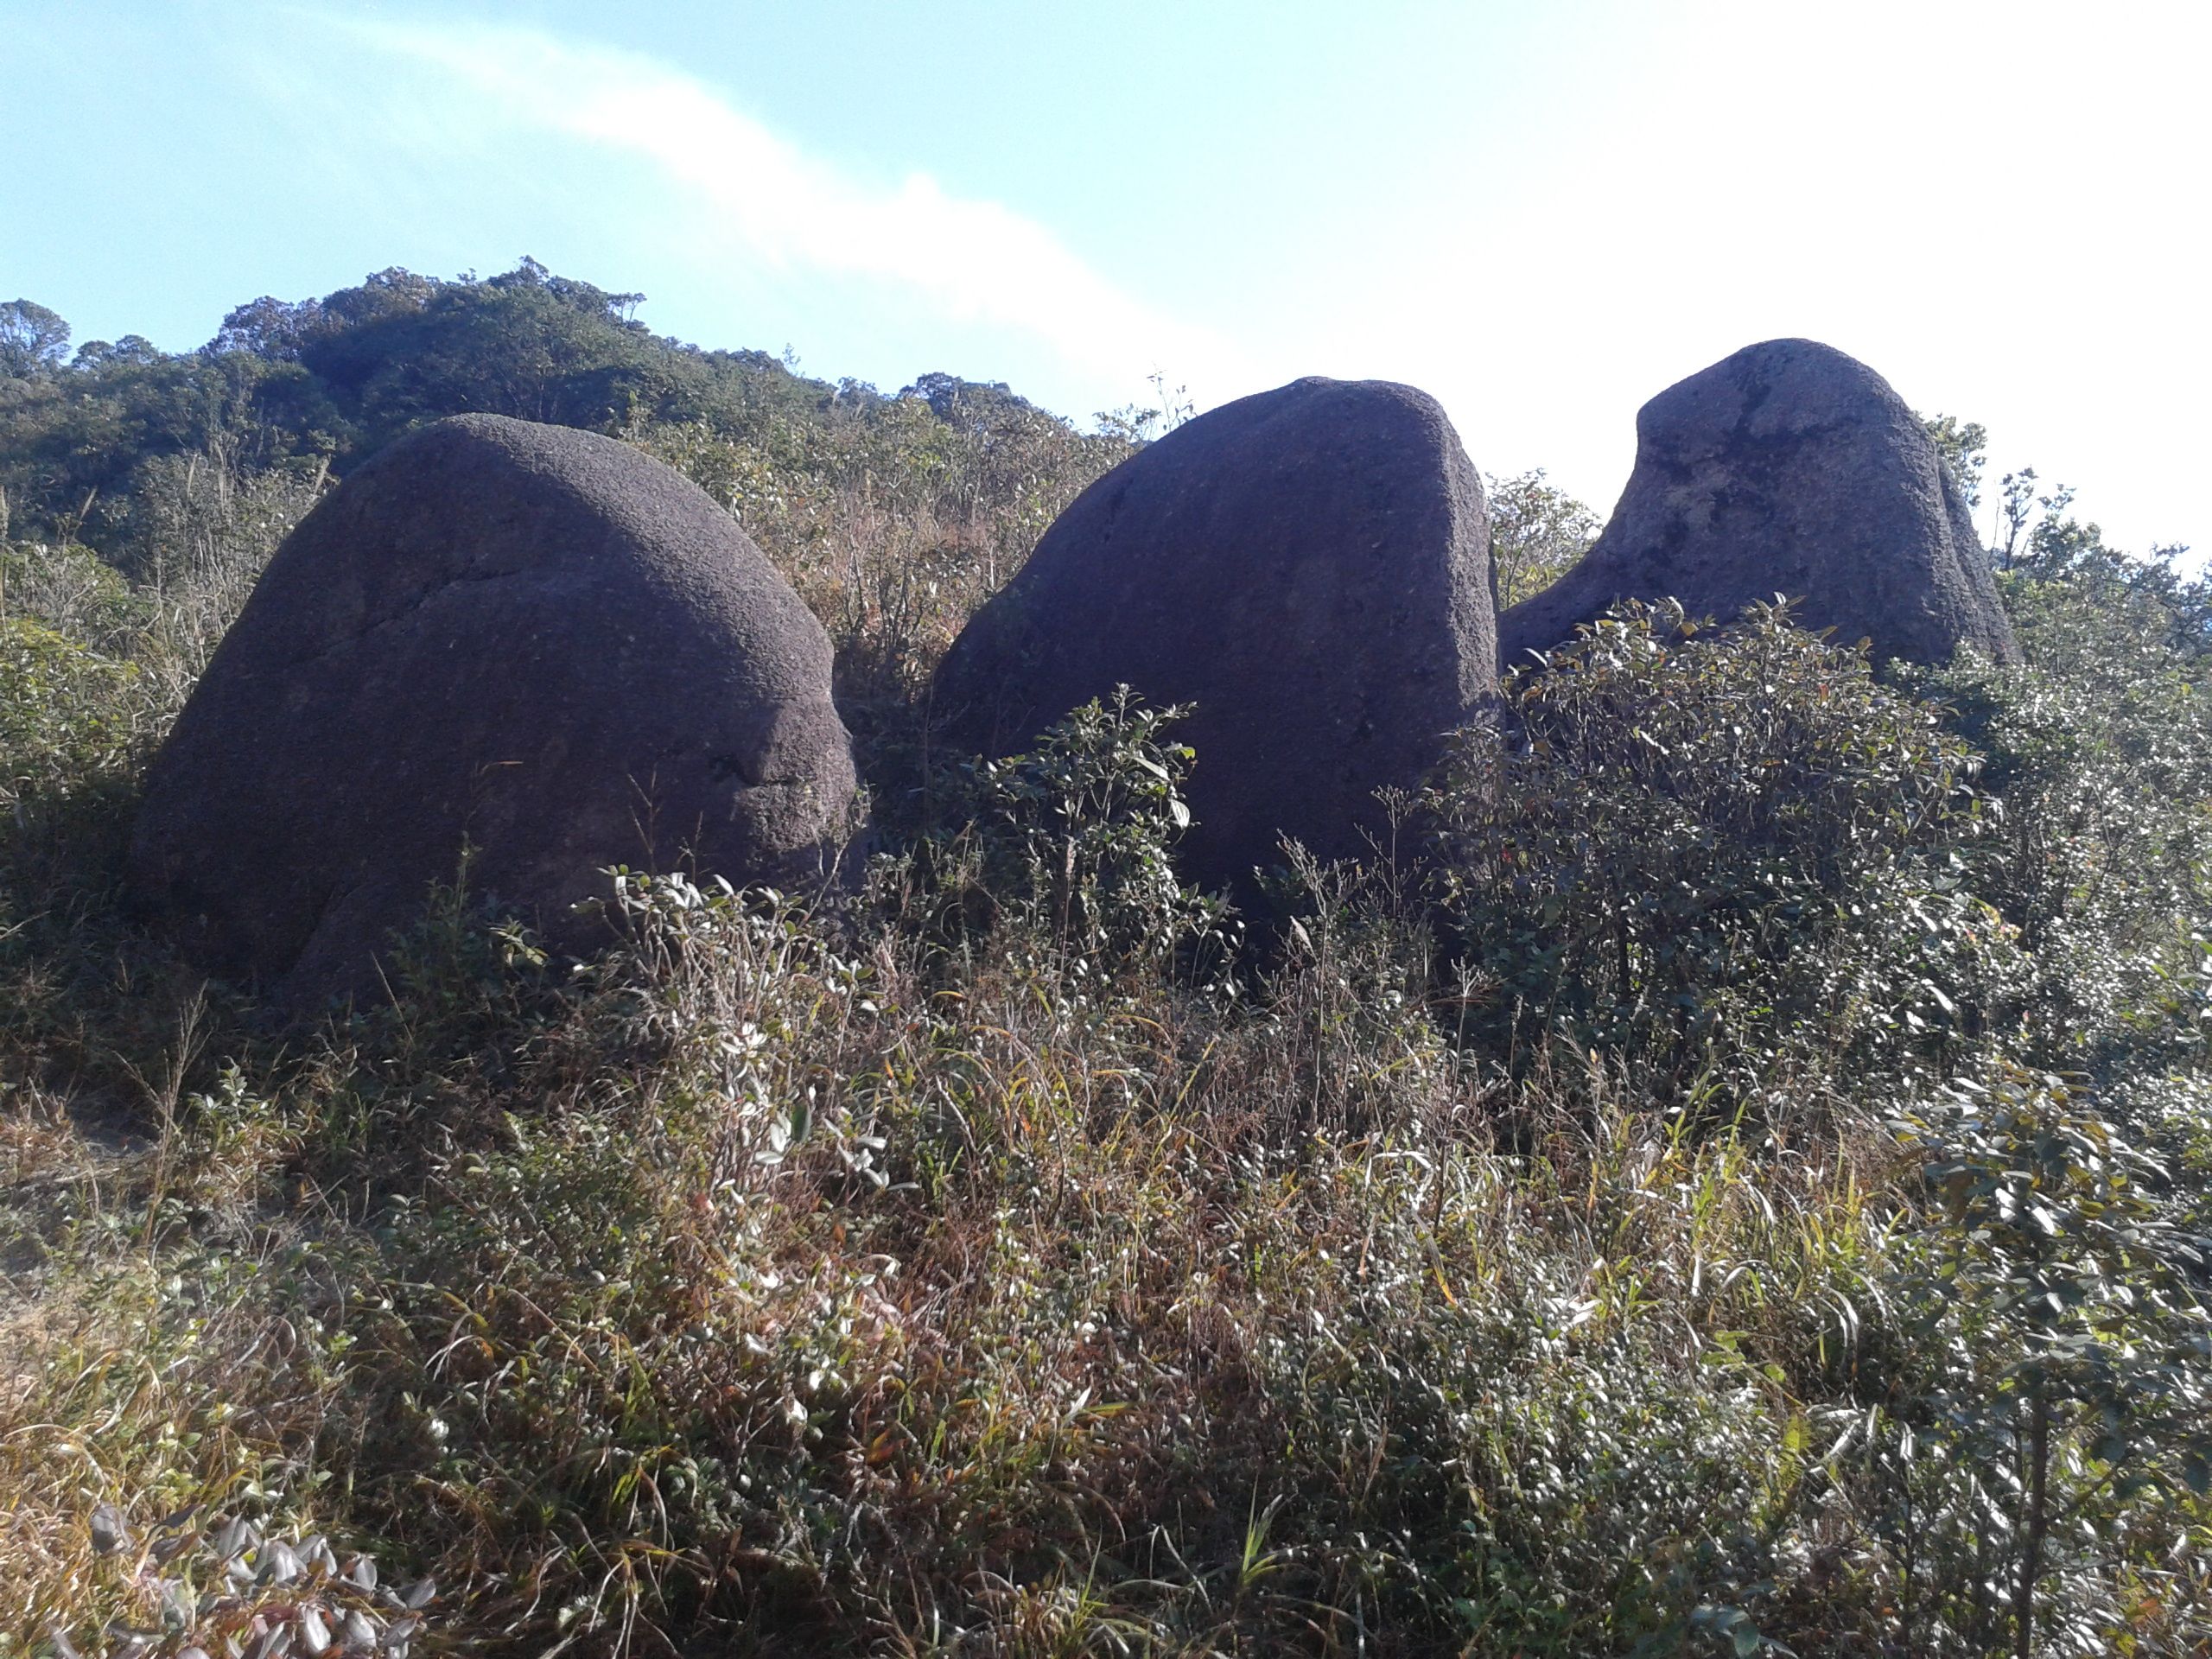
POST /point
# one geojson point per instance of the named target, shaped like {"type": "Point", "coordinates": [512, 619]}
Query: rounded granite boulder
{"type": "Point", "coordinates": [531, 641]}
{"type": "Point", "coordinates": [1787, 469]}
{"type": "Point", "coordinates": [1309, 567]}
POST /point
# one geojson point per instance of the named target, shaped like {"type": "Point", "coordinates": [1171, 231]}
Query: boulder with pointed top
{"type": "Point", "coordinates": [1309, 567]}
{"type": "Point", "coordinates": [531, 641]}
{"type": "Point", "coordinates": [1787, 469]}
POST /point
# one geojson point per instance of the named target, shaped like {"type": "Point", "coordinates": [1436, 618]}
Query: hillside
{"type": "Point", "coordinates": [1735, 1179]}
{"type": "Point", "coordinates": [324, 382]}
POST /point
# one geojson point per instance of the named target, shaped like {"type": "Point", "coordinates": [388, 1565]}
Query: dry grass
{"type": "Point", "coordinates": [886, 1283]}
{"type": "Point", "coordinates": [1013, 1348]}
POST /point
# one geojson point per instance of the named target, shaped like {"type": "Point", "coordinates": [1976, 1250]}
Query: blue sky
{"type": "Point", "coordinates": [1542, 213]}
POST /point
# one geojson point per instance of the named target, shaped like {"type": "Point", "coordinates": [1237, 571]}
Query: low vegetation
{"type": "Point", "coordinates": [1731, 1177]}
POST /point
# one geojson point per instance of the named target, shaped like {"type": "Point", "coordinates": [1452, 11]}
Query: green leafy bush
{"type": "Point", "coordinates": [68, 714]}
{"type": "Point", "coordinates": [1730, 851]}
{"type": "Point", "coordinates": [1074, 839]}
{"type": "Point", "coordinates": [2055, 1391]}
{"type": "Point", "coordinates": [2097, 754]}
{"type": "Point", "coordinates": [72, 590]}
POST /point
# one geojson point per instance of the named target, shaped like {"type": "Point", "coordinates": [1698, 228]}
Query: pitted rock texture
{"type": "Point", "coordinates": [1787, 468]}
{"type": "Point", "coordinates": [529, 639]}
{"type": "Point", "coordinates": [1309, 567]}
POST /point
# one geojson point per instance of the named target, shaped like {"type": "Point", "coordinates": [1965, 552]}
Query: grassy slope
{"type": "Point", "coordinates": [908, 1286]}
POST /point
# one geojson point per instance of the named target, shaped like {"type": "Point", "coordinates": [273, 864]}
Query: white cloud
{"type": "Point", "coordinates": [971, 261]}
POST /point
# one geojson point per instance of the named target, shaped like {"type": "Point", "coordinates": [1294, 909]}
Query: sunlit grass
{"type": "Point", "coordinates": [928, 1276]}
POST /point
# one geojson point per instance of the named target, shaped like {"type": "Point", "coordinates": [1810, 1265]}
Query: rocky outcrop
{"type": "Point", "coordinates": [1787, 468]}
{"type": "Point", "coordinates": [529, 640]}
{"type": "Point", "coordinates": [1309, 567]}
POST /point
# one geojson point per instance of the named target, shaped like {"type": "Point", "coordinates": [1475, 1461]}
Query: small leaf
{"type": "Point", "coordinates": [2197, 1470]}
{"type": "Point", "coordinates": [278, 1565]}
{"type": "Point", "coordinates": [109, 1533]}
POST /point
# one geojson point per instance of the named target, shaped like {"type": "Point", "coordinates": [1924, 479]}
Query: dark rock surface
{"type": "Point", "coordinates": [1310, 567]}
{"type": "Point", "coordinates": [1789, 469]}
{"type": "Point", "coordinates": [531, 638]}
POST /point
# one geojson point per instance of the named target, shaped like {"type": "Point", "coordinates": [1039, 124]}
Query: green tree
{"type": "Point", "coordinates": [32, 339]}
{"type": "Point", "coordinates": [1964, 448]}
{"type": "Point", "coordinates": [1536, 532]}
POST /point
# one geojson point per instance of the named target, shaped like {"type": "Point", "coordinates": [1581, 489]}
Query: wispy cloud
{"type": "Point", "coordinates": [972, 261]}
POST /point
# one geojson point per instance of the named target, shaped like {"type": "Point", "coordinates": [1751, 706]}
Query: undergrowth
{"type": "Point", "coordinates": [1735, 1185]}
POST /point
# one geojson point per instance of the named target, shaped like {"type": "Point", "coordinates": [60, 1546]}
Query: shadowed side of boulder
{"type": "Point", "coordinates": [1787, 468]}
{"type": "Point", "coordinates": [529, 640]}
{"type": "Point", "coordinates": [1309, 567]}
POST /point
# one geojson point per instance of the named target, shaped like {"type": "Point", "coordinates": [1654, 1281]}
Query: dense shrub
{"type": "Point", "coordinates": [1074, 840]}
{"type": "Point", "coordinates": [2100, 750]}
{"type": "Point", "coordinates": [1722, 853]}
{"type": "Point", "coordinates": [66, 713]}
{"type": "Point", "coordinates": [2054, 1395]}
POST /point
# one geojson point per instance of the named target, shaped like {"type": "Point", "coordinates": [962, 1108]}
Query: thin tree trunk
{"type": "Point", "coordinates": [2039, 1523]}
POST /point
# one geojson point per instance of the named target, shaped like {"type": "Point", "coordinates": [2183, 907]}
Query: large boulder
{"type": "Point", "coordinates": [1309, 567]}
{"type": "Point", "coordinates": [532, 640]}
{"type": "Point", "coordinates": [1787, 469]}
